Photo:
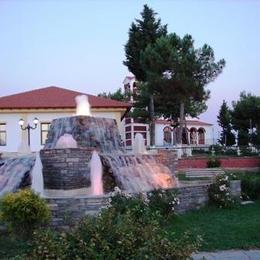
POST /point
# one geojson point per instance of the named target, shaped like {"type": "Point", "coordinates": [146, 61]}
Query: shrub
{"type": "Point", "coordinates": [200, 151]}
{"type": "Point", "coordinates": [164, 201]}
{"type": "Point", "coordinates": [218, 149]}
{"type": "Point", "coordinates": [116, 233]}
{"type": "Point", "coordinates": [231, 152]}
{"type": "Point", "coordinates": [47, 244]}
{"type": "Point", "coordinates": [245, 151]}
{"type": "Point", "coordinates": [219, 192]}
{"type": "Point", "coordinates": [250, 186]}
{"type": "Point", "coordinates": [213, 162]}
{"type": "Point", "coordinates": [24, 211]}
{"type": "Point", "coordinates": [159, 201]}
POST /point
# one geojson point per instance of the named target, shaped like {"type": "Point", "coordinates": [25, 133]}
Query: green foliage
{"type": "Point", "coordinates": [250, 185]}
{"type": "Point", "coordinates": [218, 149]}
{"type": "Point", "coordinates": [198, 151]}
{"type": "Point", "coordinates": [230, 152]}
{"type": "Point", "coordinates": [173, 65]}
{"type": "Point", "coordinates": [127, 229]}
{"type": "Point", "coordinates": [142, 32]}
{"type": "Point", "coordinates": [243, 137]}
{"type": "Point", "coordinates": [24, 211]}
{"type": "Point", "coordinates": [245, 151]}
{"type": "Point", "coordinates": [158, 202]}
{"type": "Point", "coordinates": [213, 162]}
{"type": "Point", "coordinates": [47, 244]}
{"type": "Point", "coordinates": [117, 95]}
{"type": "Point", "coordinates": [219, 192]}
{"type": "Point", "coordinates": [245, 118]}
{"type": "Point", "coordinates": [163, 201]}
{"type": "Point", "coordinates": [224, 121]}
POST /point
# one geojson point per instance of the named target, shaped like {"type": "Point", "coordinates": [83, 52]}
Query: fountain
{"type": "Point", "coordinates": [37, 178]}
{"type": "Point", "coordinates": [83, 160]}
{"type": "Point", "coordinates": [96, 174]}
{"type": "Point", "coordinates": [76, 145]}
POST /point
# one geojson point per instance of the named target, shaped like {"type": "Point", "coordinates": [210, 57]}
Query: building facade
{"type": "Point", "coordinates": [46, 104]}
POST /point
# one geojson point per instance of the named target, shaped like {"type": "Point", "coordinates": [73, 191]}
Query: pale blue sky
{"type": "Point", "coordinates": [80, 44]}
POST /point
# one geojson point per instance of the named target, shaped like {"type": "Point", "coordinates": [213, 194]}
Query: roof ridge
{"type": "Point", "coordinates": [54, 97]}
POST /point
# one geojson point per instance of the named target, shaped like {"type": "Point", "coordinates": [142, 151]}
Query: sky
{"type": "Point", "coordinates": [79, 45]}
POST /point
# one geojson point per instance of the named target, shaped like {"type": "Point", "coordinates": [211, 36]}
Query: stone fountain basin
{"type": "Point", "coordinates": [66, 169]}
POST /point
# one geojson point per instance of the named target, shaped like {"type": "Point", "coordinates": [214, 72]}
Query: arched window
{"type": "Point", "coordinates": [193, 135]}
{"type": "Point", "coordinates": [201, 135]}
{"type": "Point", "coordinates": [167, 135]}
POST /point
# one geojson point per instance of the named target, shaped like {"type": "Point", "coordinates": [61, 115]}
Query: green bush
{"type": "Point", "coordinates": [213, 163]}
{"type": "Point", "coordinates": [230, 152]}
{"type": "Point", "coordinates": [245, 151]}
{"type": "Point", "coordinates": [163, 201]}
{"type": "Point", "coordinates": [219, 192]}
{"type": "Point", "coordinates": [127, 229]}
{"type": "Point", "coordinates": [218, 149]}
{"type": "Point", "coordinates": [200, 151]}
{"type": "Point", "coordinates": [250, 185]}
{"type": "Point", "coordinates": [24, 211]}
{"type": "Point", "coordinates": [158, 201]}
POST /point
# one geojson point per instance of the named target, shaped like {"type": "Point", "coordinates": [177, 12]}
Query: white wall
{"type": "Point", "coordinates": [13, 132]}
{"type": "Point", "coordinates": [208, 134]}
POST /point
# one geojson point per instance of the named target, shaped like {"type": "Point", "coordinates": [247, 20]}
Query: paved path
{"type": "Point", "coordinates": [229, 255]}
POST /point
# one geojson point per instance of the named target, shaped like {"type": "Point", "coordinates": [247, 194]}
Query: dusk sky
{"type": "Point", "coordinates": [80, 44]}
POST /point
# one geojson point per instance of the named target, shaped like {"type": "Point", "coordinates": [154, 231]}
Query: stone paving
{"type": "Point", "coordinates": [228, 255]}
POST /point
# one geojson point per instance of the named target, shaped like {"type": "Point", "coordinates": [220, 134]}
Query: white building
{"type": "Point", "coordinates": [47, 104]}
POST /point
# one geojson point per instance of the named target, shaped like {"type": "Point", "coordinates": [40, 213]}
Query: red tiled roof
{"type": "Point", "coordinates": [189, 122]}
{"type": "Point", "coordinates": [197, 122]}
{"type": "Point", "coordinates": [54, 97]}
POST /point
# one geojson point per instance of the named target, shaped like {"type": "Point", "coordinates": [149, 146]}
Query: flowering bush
{"type": "Point", "coordinates": [219, 192]}
{"type": "Point", "coordinates": [127, 229]}
{"type": "Point", "coordinates": [159, 201]}
{"type": "Point", "coordinates": [164, 201]}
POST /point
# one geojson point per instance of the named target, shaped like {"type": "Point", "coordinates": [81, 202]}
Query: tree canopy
{"type": "Point", "coordinates": [142, 32]}
{"type": "Point", "coordinates": [172, 73]}
{"type": "Point", "coordinates": [177, 74]}
{"type": "Point", "coordinates": [245, 118]}
{"type": "Point", "coordinates": [117, 95]}
{"type": "Point", "coordinates": [224, 121]}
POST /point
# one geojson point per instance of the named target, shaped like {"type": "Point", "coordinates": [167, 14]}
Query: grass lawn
{"type": "Point", "coordinates": [222, 228]}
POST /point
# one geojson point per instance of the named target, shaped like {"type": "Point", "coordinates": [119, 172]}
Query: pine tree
{"type": "Point", "coordinates": [178, 74]}
{"type": "Point", "coordinates": [224, 121]}
{"type": "Point", "coordinates": [143, 32]}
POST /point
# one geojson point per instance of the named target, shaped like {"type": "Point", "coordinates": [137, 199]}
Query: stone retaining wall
{"type": "Point", "coordinates": [69, 211]}
{"type": "Point", "coordinates": [168, 158]}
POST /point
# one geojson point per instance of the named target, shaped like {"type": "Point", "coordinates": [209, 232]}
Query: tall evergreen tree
{"type": "Point", "coordinates": [224, 121]}
{"type": "Point", "coordinates": [178, 73]}
{"type": "Point", "coordinates": [142, 32]}
{"type": "Point", "coordinates": [245, 118]}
